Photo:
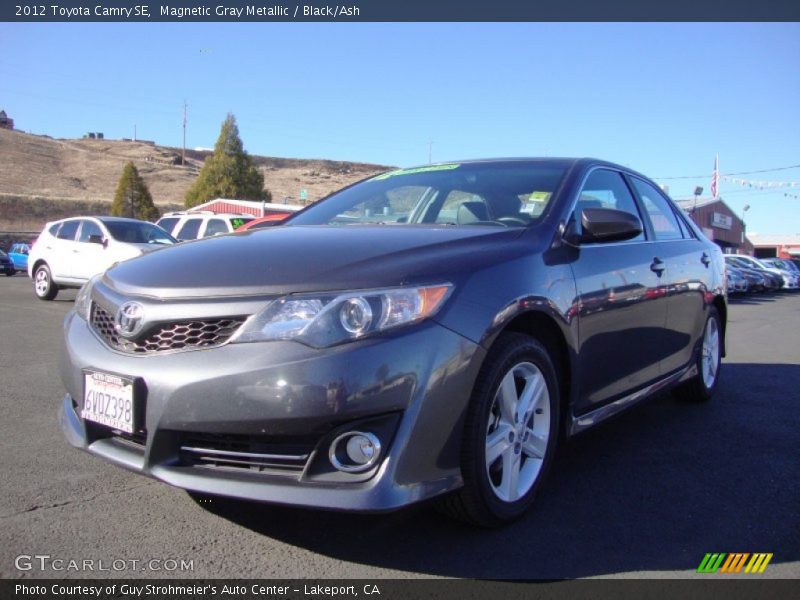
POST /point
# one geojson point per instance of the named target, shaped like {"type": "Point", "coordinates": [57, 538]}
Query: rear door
{"type": "Point", "coordinates": [688, 274]}
{"type": "Point", "coordinates": [622, 308]}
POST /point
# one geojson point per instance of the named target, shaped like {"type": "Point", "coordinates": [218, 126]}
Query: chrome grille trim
{"type": "Point", "coordinates": [229, 453]}
{"type": "Point", "coordinates": [246, 453]}
{"type": "Point", "coordinates": [187, 334]}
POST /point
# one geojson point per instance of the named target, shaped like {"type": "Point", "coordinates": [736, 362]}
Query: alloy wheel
{"type": "Point", "coordinates": [517, 432]}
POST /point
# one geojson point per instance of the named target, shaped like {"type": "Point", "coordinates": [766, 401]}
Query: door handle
{"type": "Point", "coordinates": [657, 266]}
{"type": "Point", "coordinates": [705, 259]}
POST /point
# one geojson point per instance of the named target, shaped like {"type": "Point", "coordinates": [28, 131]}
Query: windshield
{"type": "Point", "coordinates": [133, 232]}
{"type": "Point", "coordinates": [507, 194]}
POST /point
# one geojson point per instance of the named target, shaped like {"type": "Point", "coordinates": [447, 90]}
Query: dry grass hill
{"type": "Point", "coordinates": [43, 179]}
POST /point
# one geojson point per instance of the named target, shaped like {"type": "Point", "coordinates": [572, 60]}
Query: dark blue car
{"type": "Point", "coordinates": [6, 264]}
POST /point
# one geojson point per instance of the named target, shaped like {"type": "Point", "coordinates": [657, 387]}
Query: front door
{"type": "Point", "coordinates": [622, 303]}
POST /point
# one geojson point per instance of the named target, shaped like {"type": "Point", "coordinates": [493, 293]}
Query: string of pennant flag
{"type": "Point", "coordinates": [761, 184]}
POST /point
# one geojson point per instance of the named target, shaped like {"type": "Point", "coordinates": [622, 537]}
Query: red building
{"type": "Point", "coordinates": [720, 224]}
{"type": "Point", "coordinates": [777, 246]}
{"type": "Point", "coordinates": [244, 207]}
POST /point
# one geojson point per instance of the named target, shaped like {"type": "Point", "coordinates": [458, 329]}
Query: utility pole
{"type": "Point", "coordinates": [183, 154]}
{"type": "Point", "coordinates": [134, 132]}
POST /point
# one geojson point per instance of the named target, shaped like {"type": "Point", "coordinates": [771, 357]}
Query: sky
{"type": "Point", "coordinates": [661, 98]}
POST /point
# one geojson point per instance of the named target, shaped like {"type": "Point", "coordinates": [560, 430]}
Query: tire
{"type": "Point", "coordinates": [701, 387]}
{"type": "Point", "coordinates": [11, 273]}
{"type": "Point", "coordinates": [43, 285]}
{"type": "Point", "coordinates": [518, 373]}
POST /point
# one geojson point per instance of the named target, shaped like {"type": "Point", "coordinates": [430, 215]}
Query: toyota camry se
{"type": "Point", "coordinates": [428, 333]}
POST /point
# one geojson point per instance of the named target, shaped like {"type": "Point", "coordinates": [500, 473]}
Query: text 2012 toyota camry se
{"type": "Point", "coordinates": [425, 333]}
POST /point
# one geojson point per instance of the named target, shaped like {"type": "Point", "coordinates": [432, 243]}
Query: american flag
{"type": "Point", "coordinates": [715, 177]}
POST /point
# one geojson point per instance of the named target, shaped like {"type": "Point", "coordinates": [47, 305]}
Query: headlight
{"type": "Point", "coordinates": [83, 301]}
{"type": "Point", "coordinates": [321, 320]}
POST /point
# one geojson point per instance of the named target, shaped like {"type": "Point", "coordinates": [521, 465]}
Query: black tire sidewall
{"type": "Point", "coordinates": [516, 348]}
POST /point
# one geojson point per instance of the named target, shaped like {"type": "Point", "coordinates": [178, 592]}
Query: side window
{"type": "Point", "coordinates": [54, 229]}
{"type": "Point", "coordinates": [685, 231]}
{"type": "Point", "coordinates": [89, 228]}
{"type": "Point", "coordinates": [68, 230]}
{"type": "Point", "coordinates": [189, 229]}
{"type": "Point", "coordinates": [167, 223]}
{"type": "Point", "coordinates": [607, 189]}
{"type": "Point", "coordinates": [663, 219]}
{"type": "Point", "coordinates": [237, 222]}
{"type": "Point", "coordinates": [215, 226]}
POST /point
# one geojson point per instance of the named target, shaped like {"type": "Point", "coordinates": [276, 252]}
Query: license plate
{"type": "Point", "coordinates": [109, 400]}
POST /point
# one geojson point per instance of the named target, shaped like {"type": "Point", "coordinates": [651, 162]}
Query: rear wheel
{"type": "Point", "coordinates": [510, 433]}
{"type": "Point", "coordinates": [703, 385]}
{"type": "Point", "coordinates": [43, 284]}
{"type": "Point", "coordinates": [11, 273]}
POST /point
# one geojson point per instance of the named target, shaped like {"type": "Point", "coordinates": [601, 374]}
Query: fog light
{"type": "Point", "coordinates": [355, 451]}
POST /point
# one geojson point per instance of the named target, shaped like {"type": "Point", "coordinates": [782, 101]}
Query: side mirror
{"type": "Point", "coordinates": [98, 239]}
{"type": "Point", "coordinates": [606, 225]}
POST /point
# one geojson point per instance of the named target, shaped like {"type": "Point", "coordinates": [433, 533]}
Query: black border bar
{"type": "Point", "coordinates": [399, 10]}
{"type": "Point", "coordinates": [707, 587]}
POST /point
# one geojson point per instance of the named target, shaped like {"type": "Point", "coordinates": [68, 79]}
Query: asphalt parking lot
{"type": "Point", "coordinates": [646, 495]}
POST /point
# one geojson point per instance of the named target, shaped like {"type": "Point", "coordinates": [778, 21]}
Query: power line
{"type": "Point", "coordinates": [728, 174]}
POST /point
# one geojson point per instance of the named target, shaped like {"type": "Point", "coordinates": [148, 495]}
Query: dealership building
{"type": "Point", "coordinates": [719, 222]}
{"type": "Point", "coordinates": [777, 246]}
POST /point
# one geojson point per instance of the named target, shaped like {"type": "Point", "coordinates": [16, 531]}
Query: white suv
{"type": "Point", "coordinates": [69, 252]}
{"type": "Point", "coordinates": [193, 225]}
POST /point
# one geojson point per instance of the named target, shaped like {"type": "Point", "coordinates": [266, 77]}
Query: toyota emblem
{"type": "Point", "coordinates": [130, 319]}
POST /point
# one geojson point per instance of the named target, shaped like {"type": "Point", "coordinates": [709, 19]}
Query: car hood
{"type": "Point", "coordinates": [309, 259]}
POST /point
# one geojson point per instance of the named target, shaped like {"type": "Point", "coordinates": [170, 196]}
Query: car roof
{"type": "Point", "coordinates": [562, 162]}
{"type": "Point", "coordinates": [103, 219]}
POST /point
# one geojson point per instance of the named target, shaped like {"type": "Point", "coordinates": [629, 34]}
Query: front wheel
{"type": "Point", "coordinates": [11, 273]}
{"type": "Point", "coordinates": [703, 385]}
{"type": "Point", "coordinates": [43, 284]}
{"type": "Point", "coordinates": [510, 433]}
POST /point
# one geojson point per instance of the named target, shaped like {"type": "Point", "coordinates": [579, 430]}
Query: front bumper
{"type": "Point", "coordinates": [411, 387]}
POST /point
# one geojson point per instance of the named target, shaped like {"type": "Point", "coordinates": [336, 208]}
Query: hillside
{"type": "Point", "coordinates": [42, 178]}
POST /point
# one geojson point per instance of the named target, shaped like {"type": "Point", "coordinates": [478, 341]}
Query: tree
{"type": "Point", "coordinates": [132, 198]}
{"type": "Point", "coordinates": [229, 172]}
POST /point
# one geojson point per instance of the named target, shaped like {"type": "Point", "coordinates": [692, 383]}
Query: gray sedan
{"type": "Point", "coordinates": [428, 333]}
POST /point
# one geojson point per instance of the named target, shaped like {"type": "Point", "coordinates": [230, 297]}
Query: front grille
{"type": "Point", "coordinates": [163, 337]}
{"type": "Point", "coordinates": [244, 452]}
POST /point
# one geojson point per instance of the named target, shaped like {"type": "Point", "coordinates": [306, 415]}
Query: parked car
{"type": "Point", "coordinates": [781, 263]}
{"type": "Point", "coordinates": [193, 225]}
{"type": "Point", "coordinates": [737, 282]}
{"type": "Point", "coordinates": [785, 279]}
{"type": "Point", "coordinates": [270, 220]}
{"type": "Point", "coordinates": [372, 364]}
{"type": "Point", "coordinates": [71, 251]}
{"type": "Point", "coordinates": [756, 282]}
{"type": "Point", "coordinates": [18, 253]}
{"type": "Point", "coordinates": [6, 264]}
